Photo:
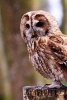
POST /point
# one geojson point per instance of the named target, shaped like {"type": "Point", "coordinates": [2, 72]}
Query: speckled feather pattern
{"type": "Point", "coordinates": [47, 48]}
{"type": "Point", "coordinates": [48, 58]}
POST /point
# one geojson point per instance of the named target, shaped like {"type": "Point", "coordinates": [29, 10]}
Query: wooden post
{"type": "Point", "coordinates": [40, 93]}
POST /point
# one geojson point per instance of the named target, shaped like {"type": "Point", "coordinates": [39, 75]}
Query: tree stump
{"type": "Point", "coordinates": [40, 93]}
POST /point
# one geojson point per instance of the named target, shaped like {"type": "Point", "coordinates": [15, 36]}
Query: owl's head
{"type": "Point", "coordinates": [35, 24]}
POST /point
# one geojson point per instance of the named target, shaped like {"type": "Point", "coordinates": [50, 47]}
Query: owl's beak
{"type": "Point", "coordinates": [34, 35]}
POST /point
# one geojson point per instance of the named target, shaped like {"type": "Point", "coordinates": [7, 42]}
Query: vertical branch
{"type": "Point", "coordinates": [64, 26]}
{"type": "Point", "coordinates": [4, 67]}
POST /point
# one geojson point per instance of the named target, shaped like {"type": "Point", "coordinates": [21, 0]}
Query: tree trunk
{"type": "Point", "coordinates": [4, 68]}
{"type": "Point", "coordinates": [15, 48]}
{"type": "Point", "coordinates": [64, 24]}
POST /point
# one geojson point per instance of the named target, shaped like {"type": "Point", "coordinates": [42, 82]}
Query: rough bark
{"type": "Point", "coordinates": [40, 93]}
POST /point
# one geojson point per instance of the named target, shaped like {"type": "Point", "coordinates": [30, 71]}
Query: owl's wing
{"type": "Point", "coordinates": [58, 47]}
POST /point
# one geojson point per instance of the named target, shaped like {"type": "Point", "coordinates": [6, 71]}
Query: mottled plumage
{"type": "Point", "coordinates": [47, 46]}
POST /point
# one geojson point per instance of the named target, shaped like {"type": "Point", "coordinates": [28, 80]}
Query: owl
{"type": "Point", "coordinates": [47, 46]}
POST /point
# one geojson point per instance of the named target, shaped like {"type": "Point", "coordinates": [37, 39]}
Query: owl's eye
{"type": "Point", "coordinates": [27, 26]}
{"type": "Point", "coordinates": [40, 24]}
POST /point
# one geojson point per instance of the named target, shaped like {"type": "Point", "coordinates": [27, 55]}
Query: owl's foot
{"type": "Point", "coordinates": [56, 85]}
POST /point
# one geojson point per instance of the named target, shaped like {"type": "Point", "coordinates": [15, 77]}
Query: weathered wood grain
{"type": "Point", "coordinates": [41, 93]}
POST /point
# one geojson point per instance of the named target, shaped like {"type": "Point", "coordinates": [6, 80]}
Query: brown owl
{"type": "Point", "coordinates": [47, 46]}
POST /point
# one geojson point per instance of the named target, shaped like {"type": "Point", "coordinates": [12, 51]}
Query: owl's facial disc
{"type": "Point", "coordinates": [33, 26]}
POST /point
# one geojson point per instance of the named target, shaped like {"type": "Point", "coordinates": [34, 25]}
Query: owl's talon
{"type": "Point", "coordinates": [45, 86]}
{"type": "Point", "coordinates": [56, 85]}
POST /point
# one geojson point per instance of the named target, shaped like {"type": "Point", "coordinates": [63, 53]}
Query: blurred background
{"type": "Point", "coordinates": [15, 69]}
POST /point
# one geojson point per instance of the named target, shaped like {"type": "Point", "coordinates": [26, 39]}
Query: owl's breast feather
{"type": "Point", "coordinates": [34, 45]}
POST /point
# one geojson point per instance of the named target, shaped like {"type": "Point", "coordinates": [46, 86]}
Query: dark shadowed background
{"type": "Point", "coordinates": [15, 69]}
